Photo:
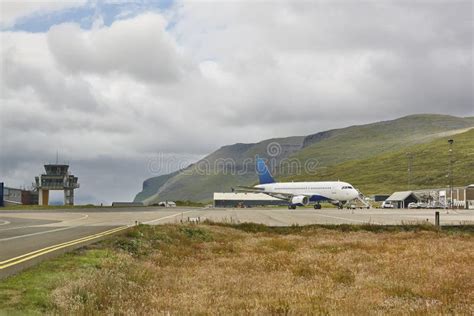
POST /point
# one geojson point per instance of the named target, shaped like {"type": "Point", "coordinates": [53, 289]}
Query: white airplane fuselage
{"type": "Point", "coordinates": [315, 191]}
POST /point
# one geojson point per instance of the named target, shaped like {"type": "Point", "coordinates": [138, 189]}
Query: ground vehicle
{"type": "Point", "coordinates": [418, 205]}
{"type": "Point", "coordinates": [388, 204]}
{"type": "Point", "coordinates": [167, 204]}
{"type": "Point", "coordinates": [436, 205]}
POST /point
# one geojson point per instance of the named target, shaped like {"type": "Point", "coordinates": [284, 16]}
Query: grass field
{"type": "Point", "coordinates": [253, 269]}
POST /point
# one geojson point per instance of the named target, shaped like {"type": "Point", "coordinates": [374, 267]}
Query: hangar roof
{"type": "Point", "coordinates": [400, 196]}
{"type": "Point", "coordinates": [241, 196]}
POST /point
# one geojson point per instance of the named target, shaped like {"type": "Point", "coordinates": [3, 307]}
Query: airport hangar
{"type": "Point", "coordinates": [245, 199]}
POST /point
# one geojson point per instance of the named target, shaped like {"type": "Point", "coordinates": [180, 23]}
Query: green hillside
{"type": "Point", "coordinates": [364, 141]}
{"type": "Point", "coordinates": [354, 143]}
{"type": "Point", "coordinates": [388, 172]}
{"type": "Point", "coordinates": [223, 169]}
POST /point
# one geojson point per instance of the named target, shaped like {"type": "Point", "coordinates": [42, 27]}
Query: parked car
{"type": "Point", "coordinates": [388, 204]}
{"type": "Point", "coordinates": [436, 205]}
{"type": "Point", "coordinates": [413, 205]}
{"type": "Point", "coordinates": [422, 205]}
{"type": "Point", "coordinates": [167, 204]}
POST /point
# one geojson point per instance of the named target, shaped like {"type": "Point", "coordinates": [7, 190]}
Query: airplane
{"type": "Point", "coordinates": [302, 193]}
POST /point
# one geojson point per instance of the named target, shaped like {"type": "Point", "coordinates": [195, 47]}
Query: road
{"type": "Point", "coordinates": [28, 236]}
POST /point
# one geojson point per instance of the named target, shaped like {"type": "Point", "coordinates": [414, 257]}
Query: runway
{"type": "Point", "coordinates": [28, 236]}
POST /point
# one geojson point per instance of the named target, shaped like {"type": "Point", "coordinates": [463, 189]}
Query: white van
{"type": "Point", "coordinates": [167, 204]}
{"type": "Point", "coordinates": [387, 204]}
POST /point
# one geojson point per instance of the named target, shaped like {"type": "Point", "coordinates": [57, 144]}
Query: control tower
{"type": "Point", "coordinates": [57, 177]}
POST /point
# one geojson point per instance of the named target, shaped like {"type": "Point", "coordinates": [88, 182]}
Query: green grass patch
{"type": "Point", "coordinates": [296, 229]}
{"type": "Point", "coordinates": [28, 292]}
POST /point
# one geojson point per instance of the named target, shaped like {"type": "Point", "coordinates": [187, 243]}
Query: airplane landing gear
{"type": "Point", "coordinates": [292, 207]}
{"type": "Point", "coordinates": [317, 206]}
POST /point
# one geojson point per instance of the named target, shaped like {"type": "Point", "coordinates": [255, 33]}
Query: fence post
{"type": "Point", "coordinates": [437, 219]}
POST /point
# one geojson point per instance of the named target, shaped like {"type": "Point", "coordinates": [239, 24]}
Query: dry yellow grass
{"type": "Point", "coordinates": [221, 270]}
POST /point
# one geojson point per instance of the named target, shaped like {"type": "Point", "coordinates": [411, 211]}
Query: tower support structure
{"type": "Point", "coordinates": [57, 177]}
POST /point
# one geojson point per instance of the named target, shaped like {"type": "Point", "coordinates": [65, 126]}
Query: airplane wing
{"type": "Point", "coordinates": [281, 196]}
{"type": "Point", "coordinates": [249, 189]}
{"type": "Point", "coordinates": [245, 189]}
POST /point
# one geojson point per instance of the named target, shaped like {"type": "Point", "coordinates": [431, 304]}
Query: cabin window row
{"type": "Point", "coordinates": [306, 188]}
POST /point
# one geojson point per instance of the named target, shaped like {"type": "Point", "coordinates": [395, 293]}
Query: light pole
{"type": "Point", "coordinates": [410, 166]}
{"type": "Point", "coordinates": [450, 174]}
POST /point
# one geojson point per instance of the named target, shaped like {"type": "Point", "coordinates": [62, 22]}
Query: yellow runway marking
{"type": "Point", "coordinates": [40, 252]}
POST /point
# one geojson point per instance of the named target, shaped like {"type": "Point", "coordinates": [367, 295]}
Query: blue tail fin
{"type": "Point", "coordinates": [263, 174]}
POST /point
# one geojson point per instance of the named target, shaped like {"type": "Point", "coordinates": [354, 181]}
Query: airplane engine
{"type": "Point", "coordinates": [300, 200]}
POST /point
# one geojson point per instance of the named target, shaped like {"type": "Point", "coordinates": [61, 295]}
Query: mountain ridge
{"type": "Point", "coordinates": [330, 147]}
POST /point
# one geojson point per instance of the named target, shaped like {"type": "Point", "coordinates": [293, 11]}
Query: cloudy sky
{"type": "Point", "coordinates": [117, 86]}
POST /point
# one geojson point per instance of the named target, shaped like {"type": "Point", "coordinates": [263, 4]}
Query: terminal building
{"type": "Point", "coordinates": [15, 196]}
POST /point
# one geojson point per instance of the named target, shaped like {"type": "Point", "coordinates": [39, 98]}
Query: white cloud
{"type": "Point", "coordinates": [11, 11]}
{"type": "Point", "coordinates": [139, 46]}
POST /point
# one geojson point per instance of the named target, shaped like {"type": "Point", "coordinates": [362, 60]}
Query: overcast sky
{"type": "Point", "coordinates": [113, 86]}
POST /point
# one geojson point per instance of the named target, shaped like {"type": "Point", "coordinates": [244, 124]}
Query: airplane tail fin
{"type": "Point", "coordinates": [263, 174]}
